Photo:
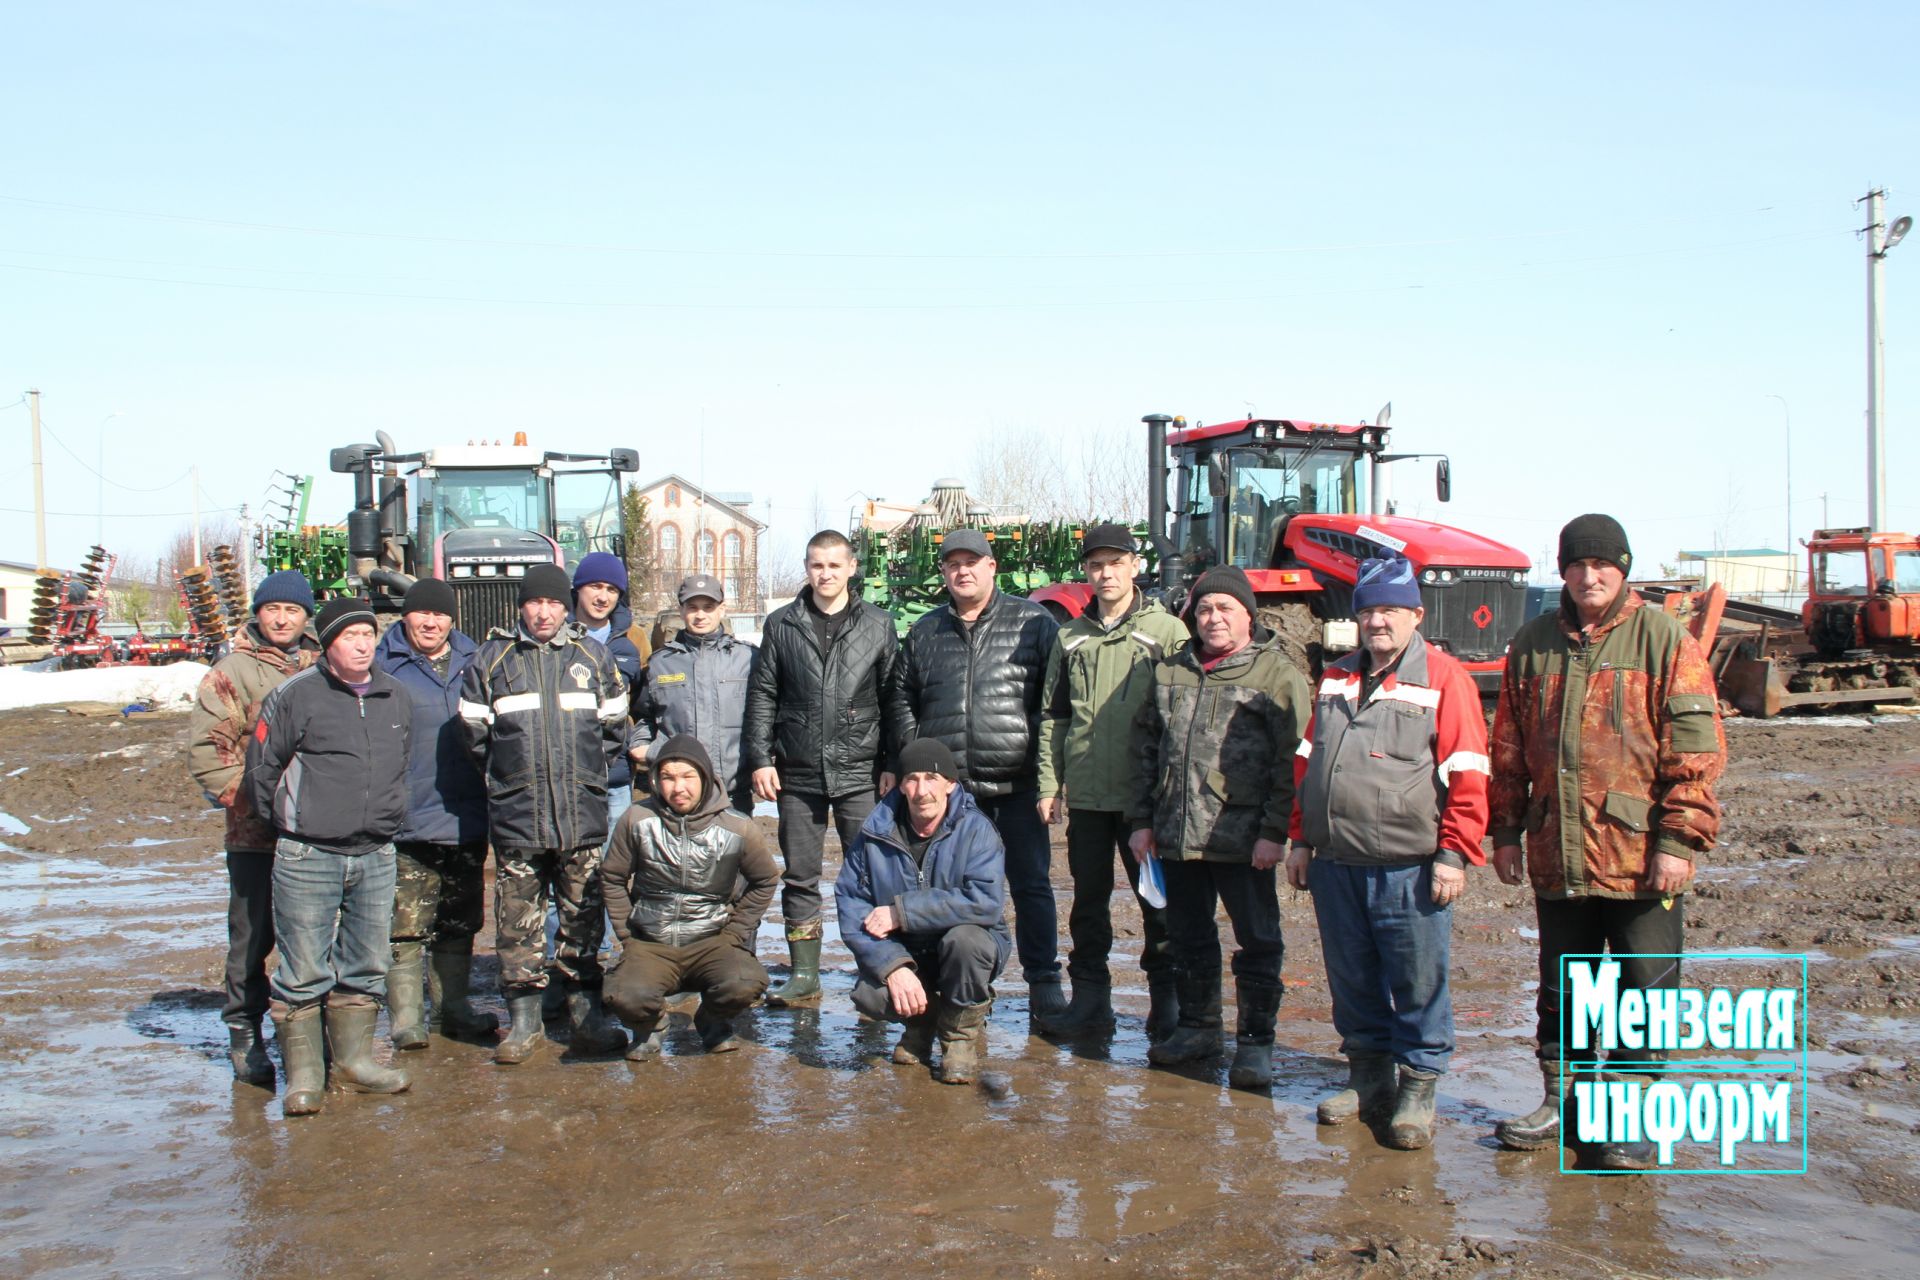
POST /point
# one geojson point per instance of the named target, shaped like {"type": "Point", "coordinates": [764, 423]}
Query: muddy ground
{"type": "Point", "coordinates": [126, 1149]}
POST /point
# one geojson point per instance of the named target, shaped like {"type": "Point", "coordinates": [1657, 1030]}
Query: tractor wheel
{"type": "Point", "coordinates": [1296, 632]}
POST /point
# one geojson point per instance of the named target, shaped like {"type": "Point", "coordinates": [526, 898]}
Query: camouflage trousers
{"type": "Point", "coordinates": [523, 881]}
{"type": "Point", "coordinates": [439, 893]}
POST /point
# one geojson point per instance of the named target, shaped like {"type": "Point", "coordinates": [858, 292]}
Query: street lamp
{"type": "Point", "coordinates": [1880, 238]}
{"type": "Point", "coordinates": [1787, 415]}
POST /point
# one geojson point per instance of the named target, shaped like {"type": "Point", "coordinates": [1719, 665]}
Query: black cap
{"type": "Point", "coordinates": [965, 540]}
{"type": "Point", "coordinates": [1108, 537]}
{"type": "Point", "coordinates": [928, 755]}
{"type": "Point", "coordinates": [1224, 580]}
{"type": "Point", "coordinates": [1595, 537]}
{"type": "Point", "coordinates": [428, 595]}
{"type": "Point", "coordinates": [339, 613]}
{"type": "Point", "coordinates": [702, 584]}
{"type": "Point", "coordinates": [546, 582]}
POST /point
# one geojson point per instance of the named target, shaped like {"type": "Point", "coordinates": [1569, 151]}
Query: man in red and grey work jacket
{"type": "Point", "coordinates": [1390, 806]}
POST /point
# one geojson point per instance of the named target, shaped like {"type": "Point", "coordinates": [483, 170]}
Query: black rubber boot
{"type": "Point", "coordinates": [1253, 1042]}
{"type": "Point", "coordinates": [1046, 998]}
{"type": "Point", "coordinates": [449, 985]}
{"type": "Point", "coordinates": [1198, 1035]}
{"type": "Point", "coordinates": [963, 1041]}
{"type": "Point", "coordinates": [716, 1029]}
{"type": "Point", "coordinates": [803, 983]}
{"type": "Point", "coordinates": [645, 1046]}
{"type": "Point", "coordinates": [553, 997]}
{"type": "Point", "coordinates": [406, 1009]}
{"type": "Point", "coordinates": [915, 1046]}
{"type": "Point", "coordinates": [350, 1042]}
{"type": "Point", "coordinates": [1540, 1127]}
{"type": "Point", "coordinates": [1412, 1125]}
{"type": "Point", "coordinates": [590, 1032]}
{"type": "Point", "coordinates": [305, 1056]}
{"type": "Point", "coordinates": [1090, 1012]}
{"type": "Point", "coordinates": [1370, 1093]}
{"type": "Point", "coordinates": [1622, 1157]}
{"type": "Point", "coordinates": [1163, 1007]}
{"type": "Point", "coordinates": [248, 1054]}
{"type": "Point", "coordinates": [525, 1032]}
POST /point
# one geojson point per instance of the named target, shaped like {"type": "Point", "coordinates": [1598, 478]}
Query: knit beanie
{"type": "Point", "coordinates": [600, 566]}
{"type": "Point", "coordinates": [1386, 581]}
{"type": "Point", "coordinates": [545, 582]}
{"type": "Point", "coordinates": [289, 586]}
{"type": "Point", "coordinates": [928, 755]}
{"type": "Point", "coordinates": [686, 749]}
{"type": "Point", "coordinates": [1225, 580]}
{"type": "Point", "coordinates": [1595, 537]}
{"type": "Point", "coordinates": [428, 595]}
{"type": "Point", "coordinates": [339, 613]}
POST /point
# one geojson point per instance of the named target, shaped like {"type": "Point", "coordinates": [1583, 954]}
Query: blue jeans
{"type": "Point", "coordinates": [331, 916]}
{"type": "Point", "coordinates": [1036, 920]}
{"type": "Point", "coordinates": [1386, 946]}
{"type": "Point", "coordinates": [619, 800]}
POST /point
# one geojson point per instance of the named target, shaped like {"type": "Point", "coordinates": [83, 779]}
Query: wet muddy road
{"type": "Point", "coordinates": [127, 1150]}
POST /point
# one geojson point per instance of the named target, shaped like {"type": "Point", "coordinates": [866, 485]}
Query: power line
{"type": "Point", "coordinates": [123, 515]}
{"type": "Point", "coordinates": [110, 480]}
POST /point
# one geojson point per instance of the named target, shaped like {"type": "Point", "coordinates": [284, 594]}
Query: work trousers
{"type": "Point", "coordinates": [803, 842]}
{"type": "Point", "coordinates": [439, 894]}
{"type": "Point", "coordinates": [1036, 920]}
{"type": "Point", "coordinates": [1092, 837]}
{"type": "Point", "coordinates": [331, 913]}
{"type": "Point", "coordinates": [619, 800]}
{"type": "Point", "coordinates": [249, 934]}
{"type": "Point", "coordinates": [524, 881]}
{"type": "Point", "coordinates": [1252, 900]}
{"type": "Point", "coordinates": [1626, 928]}
{"type": "Point", "coordinates": [727, 977]}
{"type": "Point", "coordinates": [957, 966]}
{"type": "Point", "coordinates": [1386, 947]}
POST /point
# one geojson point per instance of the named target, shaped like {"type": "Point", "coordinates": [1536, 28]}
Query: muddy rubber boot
{"type": "Point", "coordinates": [1198, 1035]}
{"type": "Point", "coordinates": [406, 1010]}
{"type": "Point", "coordinates": [1163, 1007]}
{"type": "Point", "coordinates": [1540, 1127]}
{"type": "Point", "coordinates": [1622, 1157]}
{"type": "Point", "coordinates": [645, 1046]}
{"type": "Point", "coordinates": [553, 999]}
{"type": "Point", "coordinates": [591, 1033]}
{"type": "Point", "coordinates": [1046, 998]}
{"type": "Point", "coordinates": [1370, 1093]}
{"type": "Point", "coordinates": [1090, 1012]}
{"type": "Point", "coordinates": [449, 983]}
{"type": "Point", "coordinates": [305, 1057]}
{"type": "Point", "coordinates": [248, 1054]}
{"type": "Point", "coordinates": [915, 1046]}
{"type": "Point", "coordinates": [526, 1033]}
{"type": "Point", "coordinates": [350, 1038]}
{"type": "Point", "coordinates": [1412, 1125]}
{"type": "Point", "coordinates": [803, 983]}
{"type": "Point", "coordinates": [963, 1041]}
{"type": "Point", "coordinates": [716, 1030]}
{"type": "Point", "coordinates": [1253, 1042]}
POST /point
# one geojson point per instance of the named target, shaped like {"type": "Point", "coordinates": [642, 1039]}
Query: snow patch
{"type": "Point", "coordinates": [163, 688]}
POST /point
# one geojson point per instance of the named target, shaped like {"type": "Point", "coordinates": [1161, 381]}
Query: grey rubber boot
{"type": "Point", "coordinates": [525, 1033]}
{"type": "Point", "coordinates": [1370, 1093]}
{"type": "Point", "coordinates": [406, 1007]}
{"type": "Point", "coordinates": [716, 1030]}
{"type": "Point", "coordinates": [1198, 1035]}
{"type": "Point", "coordinates": [450, 986]}
{"type": "Point", "coordinates": [1253, 1043]}
{"type": "Point", "coordinates": [1412, 1125]}
{"type": "Point", "coordinates": [963, 1041]}
{"type": "Point", "coordinates": [1163, 1007]}
{"type": "Point", "coordinates": [915, 1046]}
{"type": "Point", "coordinates": [350, 1041]}
{"type": "Point", "coordinates": [1046, 998]}
{"type": "Point", "coordinates": [248, 1054]}
{"type": "Point", "coordinates": [803, 983]}
{"type": "Point", "coordinates": [1540, 1127]}
{"type": "Point", "coordinates": [591, 1033]}
{"type": "Point", "coordinates": [646, 1044]}
{"type": "Point", "coordinates": [1090, 1012]}
{"type": "Point", "coordinates": [305, 1057]}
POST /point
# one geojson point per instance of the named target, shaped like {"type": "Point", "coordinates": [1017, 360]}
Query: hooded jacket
{"type": "Point", "coordinates": [329, 765]}
{"type": "Point", "coordinates": [619, 642]}
{"type": "Point", "coordinates": [447, 799]}
{"type": "Point", "coordinates": [543, 720]}
{"type": "Point", "coordinates": [1097, 677]}
{"type": "Point", "coordinates": [697, 685]}
{"type": "Point", "coordinates": [225, 709]}
{"type": "Point", "coordinates": [821, 718]}
{"type": "Point", "coordinates": [677, 879]}
{"type": "Point", "coordinates": [961, 880]}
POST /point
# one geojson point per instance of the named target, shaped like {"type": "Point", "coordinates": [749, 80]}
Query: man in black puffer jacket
{"type": "Point", "coordinates": [817, 736]}
{"type": "Point", "coordinates": [970, 674]}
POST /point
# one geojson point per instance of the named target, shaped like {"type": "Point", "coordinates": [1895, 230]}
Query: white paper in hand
{"type": "Point", "coordinates": [1153, 882]}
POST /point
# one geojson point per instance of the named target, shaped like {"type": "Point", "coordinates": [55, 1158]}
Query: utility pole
{"type": "Point", "coordinates": [39, 485]}
{"type": "Point", "coordinates": [1880, 238]}
{"type": "Point", "coordinates": [197, 559]}
{"type": "Point", "coordinates": [1787, 414]}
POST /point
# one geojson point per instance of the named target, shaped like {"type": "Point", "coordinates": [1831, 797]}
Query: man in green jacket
{"type": "Point", "coordinates": [1213, 796]}
{"type": "Point", "coordinates": [1098, 675]}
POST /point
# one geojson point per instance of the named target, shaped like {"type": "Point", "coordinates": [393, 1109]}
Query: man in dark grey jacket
{"type": "Point", "coordinates": [696, 684]}
{"type": "Point", "coordinates": [687, 883]}
{"type": "Point", "coordinates": [970, 676]}
{"type": "Point", "coordinates": [817, 737]}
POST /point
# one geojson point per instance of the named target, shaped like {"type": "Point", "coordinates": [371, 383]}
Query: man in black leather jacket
{"type": "Point", "coordinates": [817, 736]}
{"type": "Point", "coordinates": [970, 675]}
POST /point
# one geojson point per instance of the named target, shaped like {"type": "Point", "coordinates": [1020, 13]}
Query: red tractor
{"type": "Point", "coordinates": [1299, 505]}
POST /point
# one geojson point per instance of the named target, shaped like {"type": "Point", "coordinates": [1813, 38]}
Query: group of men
{"type": "Point", "coordinates": [1190, 747]}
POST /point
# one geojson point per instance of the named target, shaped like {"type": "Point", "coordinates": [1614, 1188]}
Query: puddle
{"type": "Point", "coordinates": [12, 826]}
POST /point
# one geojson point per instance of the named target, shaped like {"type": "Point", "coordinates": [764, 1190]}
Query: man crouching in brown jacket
{"type": "Point", "coordinates": [686, 883]}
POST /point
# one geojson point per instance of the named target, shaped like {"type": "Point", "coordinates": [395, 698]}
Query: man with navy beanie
{"type": "Point", "coordinates": [1390, 806]}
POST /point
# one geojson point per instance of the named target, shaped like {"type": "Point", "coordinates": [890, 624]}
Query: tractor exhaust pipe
{"type": "Point", "coordinates": [1157, 531]}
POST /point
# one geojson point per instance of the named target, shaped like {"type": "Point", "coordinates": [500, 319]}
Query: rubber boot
{"type": "Point", "coordinates": [1540, 1127]}
{"type": "Point", "coordinates": [646, 1044]}
{"type": "Point", "coordinates": [350, 1039]}
{"type": "Point", "coordinates": [915, 1046]}
{"type": "Point", "coordinates": [1622, 1157]}
{"type": "Point", "coordinates": [803, 983]}
{"type": "Point", "coordinates": [1090, 1012]}
{"type": "Point", "coordinates": [406, 1011]}
{"type": "Point", "coordinates": [716, 1030]}
{"type": "Point", "coordinates": [1046, 998]}
{"type": "Point", "coordinates": [305, 1056]}
{"type": "Point", "coordinates": [449, 979]}
{"type": "Point", "coordinates": [1198, 1035]}
{"type": "Point", "coordinates": [1370, 1093]}
{"type": "Point", "coordinates": [248, 1054]}
{"type": "Point", "coordinates": [963, 1041]}
{"type": "Point", "coordinates": [553, 1000]}
{"type": "Point", "coordinates": [525, 1031]}
{"type": "Point", "coordinates": [1412, 1125]}
{"type": "Point", "coordinates": [1163, 1007]}
{"type": "Point", "coordinates": [1253, 1043]}
{"type": "Point", "coordinates": [591, 1033]}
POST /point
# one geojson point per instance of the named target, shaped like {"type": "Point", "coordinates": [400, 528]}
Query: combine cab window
{"type": "Point", "coordinates": [1840, 573]}
{"type": "Point", "coordinates": [1269, 486]}
{"type": "Point", "coordinates": [586, 511]}
{"type": "Point", "coordinates": [490, 500]}
{"type": "Point", "coordinates": [1906, 572]}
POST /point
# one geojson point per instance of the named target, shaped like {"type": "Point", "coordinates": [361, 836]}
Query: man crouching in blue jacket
{"type": "Point", "coordinates": [922, 903]}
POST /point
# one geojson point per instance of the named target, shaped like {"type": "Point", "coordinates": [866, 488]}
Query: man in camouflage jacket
{"type": "Point", "coordinates": [1213, 797]}
{"type": "Point", "coordinates": [1606, 745]}
{"type": "Point", "coordinates": [275, 644]}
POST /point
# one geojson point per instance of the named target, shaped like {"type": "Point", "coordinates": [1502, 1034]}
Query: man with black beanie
{"type": "Point", "coordinates": [545, 713]}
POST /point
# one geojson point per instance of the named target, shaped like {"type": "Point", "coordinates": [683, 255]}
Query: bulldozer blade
{"type": "Point", "coordinates": [1754, 686]}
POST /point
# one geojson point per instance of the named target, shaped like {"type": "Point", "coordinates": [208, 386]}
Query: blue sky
{"type": "Point", "coordinates": [821, 249]}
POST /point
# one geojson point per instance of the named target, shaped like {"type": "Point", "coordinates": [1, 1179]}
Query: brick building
{"type": "Point", "coordinates": [694, 531]}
